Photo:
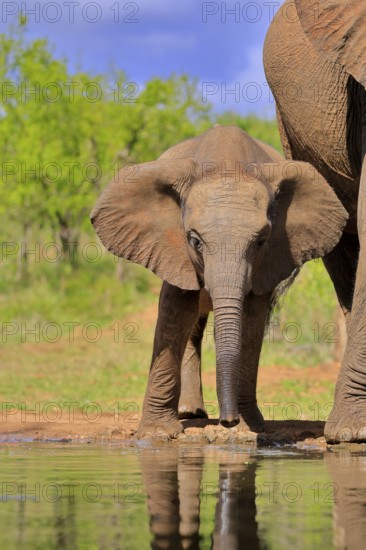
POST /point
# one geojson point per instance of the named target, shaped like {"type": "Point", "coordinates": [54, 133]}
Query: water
{"type": "Point", "coordinates": [70, 496]}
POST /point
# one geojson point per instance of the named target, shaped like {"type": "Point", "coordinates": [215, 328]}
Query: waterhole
{"type": "Point", "coordinates": [173, 496]}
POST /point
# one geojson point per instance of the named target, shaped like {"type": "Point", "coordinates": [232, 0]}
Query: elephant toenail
{"type": "Point", "coordinates": [345, 434]}
{"type": "Point", "coordinates": [361, 434]}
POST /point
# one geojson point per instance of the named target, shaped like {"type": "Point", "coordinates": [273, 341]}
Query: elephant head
{"type": "Point", "coordinates": [230, 231]}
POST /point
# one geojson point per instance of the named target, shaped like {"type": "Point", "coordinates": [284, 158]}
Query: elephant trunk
{"type": "Point", "coordinates": [228, 320]}
{"type": "Point", "coordinates": [228, 313]}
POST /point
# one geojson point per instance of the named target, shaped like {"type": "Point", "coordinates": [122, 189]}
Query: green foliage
{"type": "Point", "coordinates": [304, 331]}
{"type": "Point", "coordinates": [166, 113]}
{"type": "Point", "coordinates": [55, 293]}
{"type": "Point", "coordinates": [65, 135]}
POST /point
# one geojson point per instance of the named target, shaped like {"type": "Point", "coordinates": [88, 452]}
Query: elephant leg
{"type": "Point", "coordinates": [341, 265]}
{"type": "Point", "coordinates": [178, 311]}
{"type": "Point", "coordinates": [347, 421]}
{"type": "Point", "coordinates": [191, 400]}
{"type": "Point", "coordinates": [254, 321]}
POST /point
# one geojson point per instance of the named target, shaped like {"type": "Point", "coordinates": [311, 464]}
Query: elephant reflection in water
{"type": "Point", "coordinates": [348, 474]}
{"type": "Point", "coordinates": [235, 517]}
{"type": "Point", "coordinates": [173, 482]}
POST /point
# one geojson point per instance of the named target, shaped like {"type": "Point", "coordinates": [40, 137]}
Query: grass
{"type": "Point", "coordinates": [84, 336]}
{"type": "Point", "coordinates": [305, 330]}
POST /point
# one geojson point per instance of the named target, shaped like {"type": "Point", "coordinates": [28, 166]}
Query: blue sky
{"type": "Point", "coordinates": [219, 43]}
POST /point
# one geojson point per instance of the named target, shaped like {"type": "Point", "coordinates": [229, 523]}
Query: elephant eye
{"type": "Point", "coordinates": [194, 241]}
{"type": "Point", "coordinates": [261, 241]}
{"type": "Point", "coordinates": [264, 236]}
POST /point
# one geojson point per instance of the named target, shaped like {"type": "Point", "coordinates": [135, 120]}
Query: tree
{"type": "Point", "coordinates": [65, 135]}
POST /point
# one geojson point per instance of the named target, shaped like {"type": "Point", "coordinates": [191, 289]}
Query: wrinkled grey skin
{"type": "Point", "coordinates": [315, 62]}
{"type": "Point", "coordinates": [222, 219]}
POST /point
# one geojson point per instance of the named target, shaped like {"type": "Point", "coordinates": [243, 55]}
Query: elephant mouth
{"type": "Point", "coordinates": [229, 421]}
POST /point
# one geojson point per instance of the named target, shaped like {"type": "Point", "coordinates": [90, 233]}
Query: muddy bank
{"type": "Point", "coordinates": [18, 427]}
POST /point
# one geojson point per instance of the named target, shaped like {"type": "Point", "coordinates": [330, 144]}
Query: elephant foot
{"type": "Point", "coordinates": [190, 408]}
{"type": "Point", "coordinates": [346, 424]}
{"type": "Point", "coordinates": [161, 427]}
{"type": "Point", "coordinates": [251, 419]}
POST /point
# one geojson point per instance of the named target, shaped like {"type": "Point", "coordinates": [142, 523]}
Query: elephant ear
{"type": "Point", "coordinates": [307, 222]}
{"type": "Point", "coordinates": [337, 29]}
{"type": "Point", "coordinates": [138, 217]}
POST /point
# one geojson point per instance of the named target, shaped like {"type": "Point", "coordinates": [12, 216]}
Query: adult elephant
{"type": "Point", "coordinates": [222, 219]}
{"type": "Point", "coordinates": [315, 62]}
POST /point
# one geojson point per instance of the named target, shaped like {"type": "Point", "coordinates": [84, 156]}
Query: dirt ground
{"type": "Point", "coordinates": [305, 434]}
{"type": "Point", "coordinates": [23, 426]}
{"type": "Point", "coordinates": [75, 427]}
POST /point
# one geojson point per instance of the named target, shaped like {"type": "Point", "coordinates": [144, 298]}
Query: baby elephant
{"type": "Point", "coordinates": [222, 219]}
